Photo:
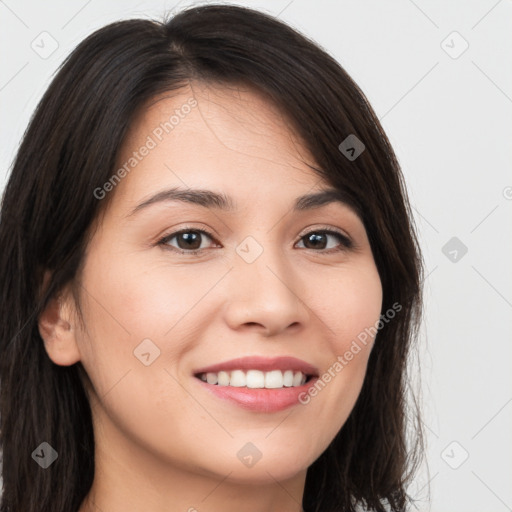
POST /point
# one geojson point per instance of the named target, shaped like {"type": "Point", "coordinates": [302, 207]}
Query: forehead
{"type": "Point", "coordinates": [204, 145]}
{"type": "Point", "coordinates": [229, 139]}
{"type": "Point", "coordinates": [240, 118]}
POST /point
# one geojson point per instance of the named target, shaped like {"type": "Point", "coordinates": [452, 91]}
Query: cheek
{"type": "Point", "coordinates": [356, 313]}
{"type": "Point", "coordinates": [354, 303]}
{"type": "Point", "coordinates": [131, 299]}
{"type": "Point", "coordinates": [139, 312]}
{"type": "Point", "coordinates": [352, 310]}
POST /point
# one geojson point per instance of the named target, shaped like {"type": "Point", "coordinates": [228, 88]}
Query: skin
{"type": "Point", "coordinates": [162, 442]}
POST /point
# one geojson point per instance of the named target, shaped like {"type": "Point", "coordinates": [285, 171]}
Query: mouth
{"type": "Point", "coordinates": [258, 383]}
{"type": "Point", "coordinates": [256, 379]}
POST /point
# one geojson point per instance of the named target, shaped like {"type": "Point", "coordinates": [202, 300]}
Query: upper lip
{"type": "Point", "coordinates": [264, 364]}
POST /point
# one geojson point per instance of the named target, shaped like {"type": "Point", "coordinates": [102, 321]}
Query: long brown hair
{"type": "Point", "coordinates": [70, 149]}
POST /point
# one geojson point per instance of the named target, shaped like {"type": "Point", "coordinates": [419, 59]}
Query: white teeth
{"type": "Point", "coordinates": [255, 379]}
{"type": "Point", "coordinates": [288, 378]}
{"type": "Point", "coordinates": [211, 378]}
{"type": "Point", "coordinates": [223, 379]}
{"type": "Point", "coordinates": [297, 379]}
{"type": "Point", "coordinates": [237, 379]}
{"type": "Point", "coordinates": [274, 379]}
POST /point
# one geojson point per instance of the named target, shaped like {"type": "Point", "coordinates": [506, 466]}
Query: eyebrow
{"type": "Point", "coordinates": [222, 202]}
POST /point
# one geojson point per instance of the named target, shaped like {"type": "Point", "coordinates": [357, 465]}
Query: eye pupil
{"type": "Point", "coordinates": [315, 238]}
{"type": "Point", "coordinates": [190, 237]}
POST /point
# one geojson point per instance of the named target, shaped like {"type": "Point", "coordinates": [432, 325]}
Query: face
{"type": "Point", "coordinates": [173, 290]}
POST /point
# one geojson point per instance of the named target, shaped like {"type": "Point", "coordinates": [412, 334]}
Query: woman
{"type": "Point", "coordinates": [210, 280]}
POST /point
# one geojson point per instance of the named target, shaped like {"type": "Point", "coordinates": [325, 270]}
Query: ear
{"type": "Point", "coordinates": [57, 330]}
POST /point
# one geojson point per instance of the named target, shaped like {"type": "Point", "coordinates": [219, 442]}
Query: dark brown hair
{"type": "Point", "coordinates": [70, 149]}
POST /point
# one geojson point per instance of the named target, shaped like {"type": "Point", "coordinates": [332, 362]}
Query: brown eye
{"type": "Point", "coordinates": [320, 240]}
{"type": "Point", "coordinates": [187, 240]}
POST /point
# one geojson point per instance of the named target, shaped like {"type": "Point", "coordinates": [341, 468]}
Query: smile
{"type": "Point", "coordinates": [256, 379]}
{"type": "Point", "coordinates": [258, 383]}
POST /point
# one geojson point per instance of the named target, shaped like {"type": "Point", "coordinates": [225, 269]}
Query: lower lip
{"type": "Point", "coordinates": [262, 399]}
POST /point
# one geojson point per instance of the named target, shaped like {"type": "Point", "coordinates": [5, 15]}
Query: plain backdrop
{"type": "Point", "coordinates": [438, 75]}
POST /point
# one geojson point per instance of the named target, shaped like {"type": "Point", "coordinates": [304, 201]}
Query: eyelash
{"type": "Point", "coordinates": [345, 242]}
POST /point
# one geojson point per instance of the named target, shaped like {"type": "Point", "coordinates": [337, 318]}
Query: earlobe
{"type": "Point", "coordinates": [56, 330]}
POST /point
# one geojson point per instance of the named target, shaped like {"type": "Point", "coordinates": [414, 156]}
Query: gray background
{"type": "Point", "coordinates": [447, 111]}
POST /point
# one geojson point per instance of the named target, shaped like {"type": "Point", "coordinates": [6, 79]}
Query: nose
{"type": "Point", "coordinates": [264, 296]}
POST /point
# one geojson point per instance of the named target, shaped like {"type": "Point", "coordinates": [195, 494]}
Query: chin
{"type": "Point", "coordinates": [265, 473]}
{"type": "Point", "coordinates": [267, 467]}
